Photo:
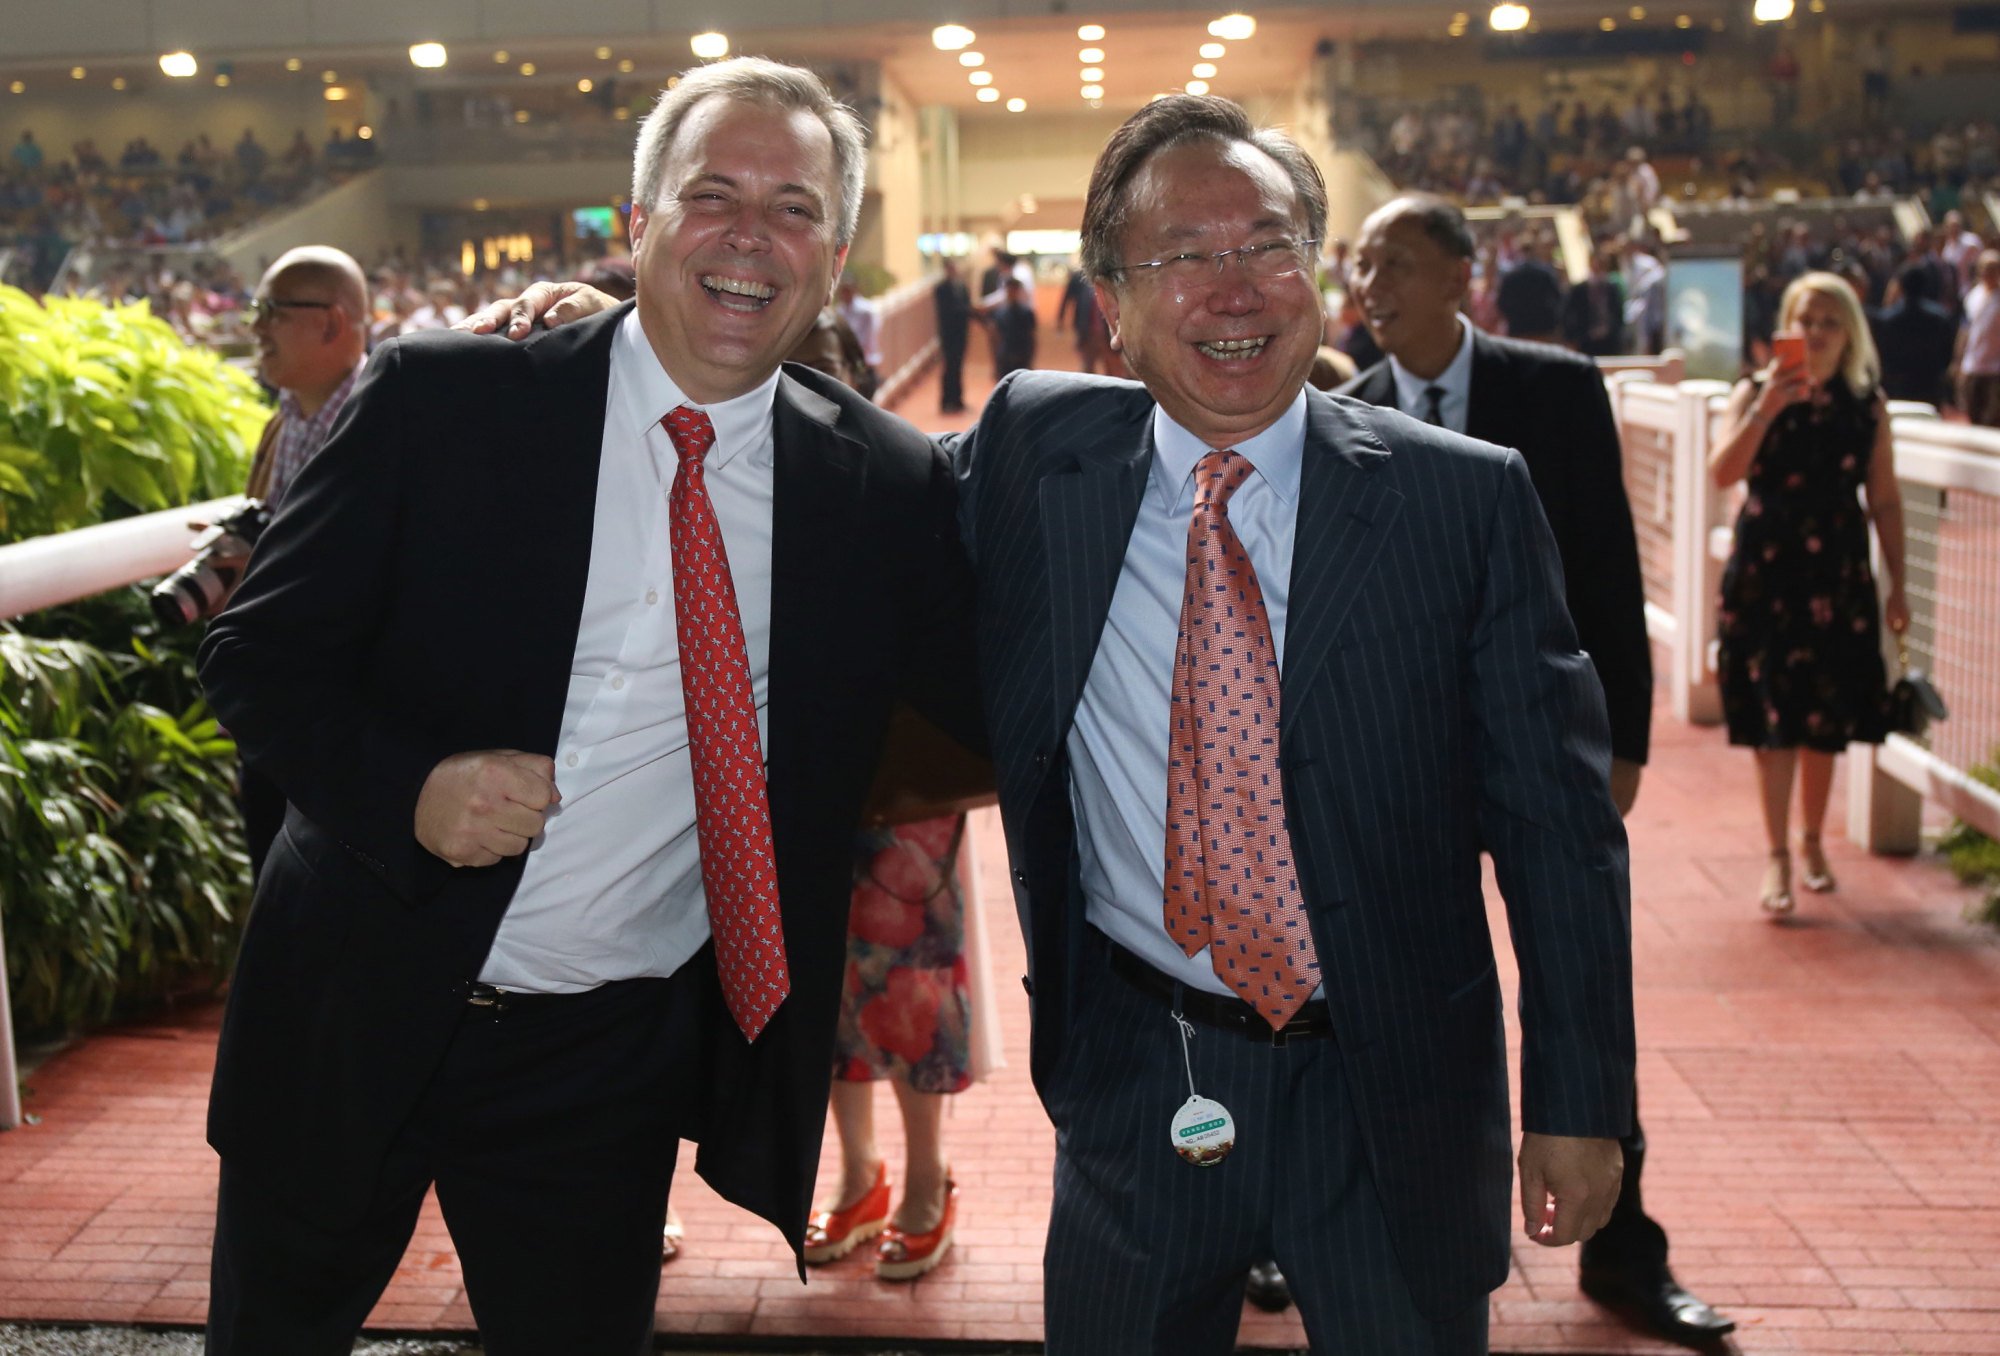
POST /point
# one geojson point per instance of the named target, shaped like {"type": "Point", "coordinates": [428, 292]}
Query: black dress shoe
{"type": "Point", "coordinates": [1656, 1301]}
{"type": "Point", "coordinates": [1268, 1289]}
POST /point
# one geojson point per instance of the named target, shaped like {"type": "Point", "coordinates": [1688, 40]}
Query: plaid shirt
{"type": "Point", "coordinates": [301, 435]}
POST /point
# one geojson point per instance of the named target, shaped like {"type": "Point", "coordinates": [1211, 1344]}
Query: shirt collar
{"type": "Point", "coordinates": [742, 423]}
{"type": "Point", "coordinates": [1276, 454]}
{"type": "Point", "coordinates": [1456, 379]}
{"type": "Point", "coordinates": [288, 404]}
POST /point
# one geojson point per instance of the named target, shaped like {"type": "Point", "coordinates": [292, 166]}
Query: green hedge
{"type": "Point", "coordinates": [124, 878]}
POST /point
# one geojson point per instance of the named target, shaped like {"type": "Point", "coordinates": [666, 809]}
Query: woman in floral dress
{"type": "Point", "coordinates": [1801, 660]}
{"type": "Point", "coordinates": [905, 1017]}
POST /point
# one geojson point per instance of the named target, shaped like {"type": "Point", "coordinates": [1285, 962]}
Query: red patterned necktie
{"type": "Point", "coordinates": [732, 812]}
{"type": "Point", "coordinates": [1231, 883]}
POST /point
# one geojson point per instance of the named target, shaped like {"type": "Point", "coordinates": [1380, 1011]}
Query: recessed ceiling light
{"type": "Point", "coordinates": [18, 87]}
{"type": "Point", "coordinates": [585, 85]}
{"type": "Point", "coordinates": [1204, 70]}
{"type": "Point", "coordinates": [527, 68]}
{"type": "Point", "coordinates": [1016, 104]}
{"type": "Point", "coordinates": [1091, 32]}
{"type": "Point", "coordinates": [1092, 91]}
{"type": "Point", "coordinates": [621, 114]}
{"type": "Point", "coordinates": [952, 37]}
{"type": "Point", "coordinates": [709, 46]}
{"type": "Point", "coordinates": [1772, 11]}
{"type": "Point", "coordinates": [1683, 21]}
{"type": "Point", "coordinates": [77, 72]}
{"type": "Point", "coordinates": [1090, 56]}
{"type": "Point", "coordinates": [479, 204]}
{"type": "Point", "coordinates": [1508, 18]}
{"type": "Point", "coordinates": [980, 77]}
{"type": "Point", "coordinates": [501, 58]}
{"type": "Point", "coordinates": [604, 54]}
{"type": "Point", "coordinates": [1233, 27]}
{"type": "Point", "coordinates": [1090, 73]}
{"type": "Point", "coordinates": [335, 93]}
{"type": "Point", "coordinates": [179, 65]}
{"type": "Point", "coordinates": [1212, 51]}
{"type": "Point", "coordinates": [222, 79]}
{"type": "Point", "coordinates": [989, 96]}
{"type": "Point", "coordinates": [427, 55]}
{"type": "Point", "coordinates": [520, 115]}
{"type": "Point", "coordinates": [1196, 87]}
{"type": "Point", "coordinates": [1607, 23]}
{"type": "Point", "coordinates": [365, 132]}
{"type": "Point", "coordinates": [625, 66]}
{"type": "Point", "coordinates": [972, 58]}
{"type": "Point", "coordinates": [1637, 14]}
{"type": "Point", "coordinates": [118, 82]}
{"type": "Point", "coordinates": [294, 64]}
{"type": "Point", "coordinates": [328, 77]}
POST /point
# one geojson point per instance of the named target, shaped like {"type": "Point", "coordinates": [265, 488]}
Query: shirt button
{"type": "Point", "coordinates": [617, 684]}
{"type": "Point", "coordinates": [652, 597]}
{"type": "Point", "coordinates": [570, 761]}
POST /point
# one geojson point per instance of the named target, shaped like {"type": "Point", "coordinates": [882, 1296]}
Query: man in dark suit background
{"type": "Point", "coordinates": [1531, 292]}
{"type": "Point", "coordinates": [1411, 269]}
{"type": "Point", "coordinates": [1915, 336]}
{"type": "Point", "coordinates": [1131, 542]}
{"type": "Point", "coordinates": [535, 914]}
{"type": "Point", "coordinates": [953, 307]}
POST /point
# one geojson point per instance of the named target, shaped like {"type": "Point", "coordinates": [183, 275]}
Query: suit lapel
{"type": "Point", "coordinates": [1345, 514]}
{"type": "Point", "coordinates": [556, 473]}
{"type": "Point", "coordinates": [1376, 386]}
{"type": "Point", "coordinates": [1487, 403]}
{"type": "Point", "coordinates": [1087, 517]}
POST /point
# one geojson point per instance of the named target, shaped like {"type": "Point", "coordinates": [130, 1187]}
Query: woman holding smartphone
{"type": "Point", "coordinates": [1801, 657]}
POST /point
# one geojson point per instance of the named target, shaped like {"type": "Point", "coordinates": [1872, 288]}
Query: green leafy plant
{"type": "Point", "coordinates": [104, 411]}
{"type": "Point", "coordinates": [125, 873]}
{"type": "Point", "coordinates": [1974, 857]}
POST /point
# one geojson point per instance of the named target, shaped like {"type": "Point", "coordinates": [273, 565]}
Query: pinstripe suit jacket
{"type": "Point", "coordinates": [1434, 704]}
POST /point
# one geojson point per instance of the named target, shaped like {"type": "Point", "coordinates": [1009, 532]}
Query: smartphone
{"type": "Point", "coordinates": [1789, 350]}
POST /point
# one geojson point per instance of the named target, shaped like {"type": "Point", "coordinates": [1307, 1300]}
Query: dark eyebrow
{"type": "Point", "coordinates": [1180, 234]}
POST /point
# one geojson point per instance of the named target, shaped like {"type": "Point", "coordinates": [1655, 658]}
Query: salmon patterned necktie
{"type": "Point", "coordinates": [732, 812]}
{"type": "Point", "coordinates": [1231, 883]}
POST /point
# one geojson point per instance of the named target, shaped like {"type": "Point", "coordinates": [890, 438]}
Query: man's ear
{"type": "Point", "coordinates": [635, 228]}
{"type": "Point", "coordinates": [833, 281]}
{"type": "Point", "coordinates": [1107, 302]}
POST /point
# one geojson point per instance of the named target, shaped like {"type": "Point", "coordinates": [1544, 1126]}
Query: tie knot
{"type": "Point", "coordinates": [1217, 476]}
{"type": "Point", "coordinates": [690, 431]}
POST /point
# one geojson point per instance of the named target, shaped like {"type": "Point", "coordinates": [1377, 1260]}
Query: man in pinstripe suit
{"type": "Point", "coordinates": [1431, 702]}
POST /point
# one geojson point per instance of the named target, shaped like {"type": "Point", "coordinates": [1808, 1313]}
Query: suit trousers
{"type": "Point", "coordinates": [550, 1132]}
{"type": "Point", "coordinates": [1147, 1254]}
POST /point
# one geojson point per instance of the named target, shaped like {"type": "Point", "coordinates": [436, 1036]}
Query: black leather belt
{"type": "Point", "coordinates": [1220, 1010]}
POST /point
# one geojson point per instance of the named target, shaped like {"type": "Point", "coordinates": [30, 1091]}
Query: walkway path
{"type": "Point", "coordinates": [1823, 1101]}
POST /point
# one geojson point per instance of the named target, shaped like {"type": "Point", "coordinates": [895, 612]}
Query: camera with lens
{"type": "Point", "coordinates": [199, 588]}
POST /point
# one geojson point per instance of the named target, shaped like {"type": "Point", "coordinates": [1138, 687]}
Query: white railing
{"type": "Point", "coordinates": [50, 571]}
{"type": "Point", "coordinates": [1950, 474]}
{"type": "Point", "coordinates": [907, 337]}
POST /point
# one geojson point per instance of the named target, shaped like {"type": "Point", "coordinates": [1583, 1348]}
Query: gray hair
{"type": "Point", "coordinates": [755, 80]}
{"type": "Point", "coordinates": [1162, 125]}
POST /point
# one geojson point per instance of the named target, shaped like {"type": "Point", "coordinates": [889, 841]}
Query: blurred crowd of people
{"type": "Point", "coordinates": [51, 203]}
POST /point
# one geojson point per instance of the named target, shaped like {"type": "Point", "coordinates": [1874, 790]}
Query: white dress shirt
{"type": "Point", "coordinates": [1118, 745]}
{"type": "Point", "coordinates": [1456, 379]}
{"type": "Point", "coordinates": [613, 888]}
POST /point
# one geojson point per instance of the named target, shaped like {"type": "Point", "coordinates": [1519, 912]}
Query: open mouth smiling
{"type": "Point", "coordinates": [738, 294]}
{"type": "Point", "coordinates": [1233, 350]}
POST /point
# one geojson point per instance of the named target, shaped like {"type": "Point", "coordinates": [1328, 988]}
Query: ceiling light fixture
{"type": "Point", "coordinates": [603, 54]}
{"type": "Point", "coordinates": [77, 72]}
{"type": "Point", "coordinates": [1016, 104]}
{"type": "Point", "coordinates": [335, 93]}
{"type": "Point", "coordinates": [1772, 11]}
{"type": "Point", "coordinates": [294, 64]}
{"type": "Point", "coordinates": [222, 79]}
{"type": "Point", "coordinates": [585, 85]}
{"type": "Point", "coordinates": [179, 65]}
{"type": "Point", "coordinates": [1233, 28]}
{"type": "Point", "coordinates": [952, 37]}
{"type": "Point", "coordinates": [427, 55]}
{"type": "Point", "coordinates": [1204, 70]}
{"type": "Point", "coordinates": [972, 58]}
{"type": "Point", "coordinates": [989, 96]}
{"type": "Point", "coordinates": [501, 58]}
{"type": "Point", "coordinates": [527, 68]}
{"type": "Point", "coordinates": [1212, 51]}
{"type": "Point", "coordinates": [118, 82]}
{"type": "Point", "coordinates": [981, 77]}
{"type": "Point", "coordinates": [1196, 87]}
{"type": "Point", "coordinates": [1092, 91]}
{"type": "Point", "coordinates": [328, 77]}
{"type": "Point", "coordinates": [1507, 18]}
{"type": "Point", "coordinates": [709, 46]}
{"type": "Point", "coordinates": [625, 66]}
{"type": "Point", "coordinates": [1091, 33]}
{"type": "Point", "coordinates": [1090, 56]}
{"type": "Point", "coordinates": [1090, 73]}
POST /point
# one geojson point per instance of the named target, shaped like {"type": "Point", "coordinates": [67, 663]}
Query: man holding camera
{"type": "Point", "coordinates": [310, 320]}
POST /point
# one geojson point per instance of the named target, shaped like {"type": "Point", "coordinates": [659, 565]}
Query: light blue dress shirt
{"type": "Point", "coordinates": [1456, 402]}
{"type": "Point", "coordinates": [1118, 745]}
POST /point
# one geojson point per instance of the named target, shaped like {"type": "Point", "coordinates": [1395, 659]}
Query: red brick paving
{"type": "Point", "coordinates": [1822, 1099]}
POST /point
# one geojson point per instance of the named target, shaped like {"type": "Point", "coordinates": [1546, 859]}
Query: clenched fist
{"type": "Point", "coordinates": [478, 807]}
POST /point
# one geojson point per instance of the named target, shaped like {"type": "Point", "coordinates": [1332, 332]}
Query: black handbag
{"type": "Point", "coordinates": [1913, 700]}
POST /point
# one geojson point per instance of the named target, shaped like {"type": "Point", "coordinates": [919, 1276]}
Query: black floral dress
{"type": "Point", "coordinates": [1801, 653]}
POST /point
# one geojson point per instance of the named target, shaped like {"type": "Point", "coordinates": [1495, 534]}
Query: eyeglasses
{"type": "Point", "coordinates": [1270, 259]}
{"type": "Point", "coordinates": [261, 309]}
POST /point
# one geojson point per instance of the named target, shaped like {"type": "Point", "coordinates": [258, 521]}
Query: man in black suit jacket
{"type": "Point", "coordinates": [1411, 269]}
{"type": "Point", "coordinates": [451, 652]}
{"type": "Point", "coordinates": [1432, 701]}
